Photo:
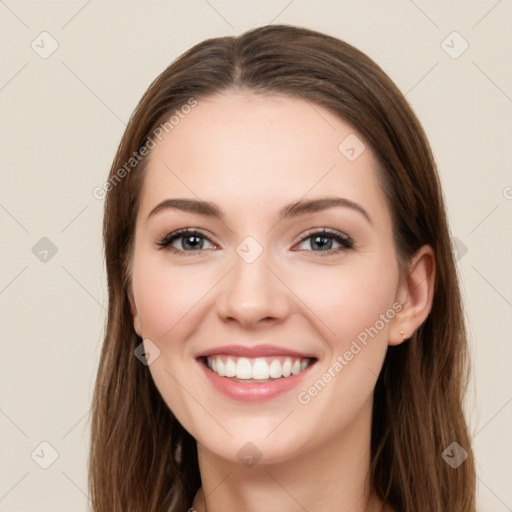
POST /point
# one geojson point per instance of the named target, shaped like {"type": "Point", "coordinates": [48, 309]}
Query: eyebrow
{"type": "Point", "coordinates": [291, 210]}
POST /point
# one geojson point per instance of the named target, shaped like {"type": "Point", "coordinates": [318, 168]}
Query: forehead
{"type": "Point", "coordinates": [248, 151]}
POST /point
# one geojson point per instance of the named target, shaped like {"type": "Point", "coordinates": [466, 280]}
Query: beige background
{"type": "Point", "coordinates": [62, 118]}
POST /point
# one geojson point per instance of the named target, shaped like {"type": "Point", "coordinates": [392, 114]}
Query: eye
{"type": "Point", "coordinates": [322, 241]}
{"type": "Point", "coordinates": [192, 240]}
{"type": "Point", "coordinates": [185, 240]}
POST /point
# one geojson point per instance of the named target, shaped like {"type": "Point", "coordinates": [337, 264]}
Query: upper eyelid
{"type": "Point", "coordinates": [176, 235]}
{"type": "Point", "coordinates": [326, 230]}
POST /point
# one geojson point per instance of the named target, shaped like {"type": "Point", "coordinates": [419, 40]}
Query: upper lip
{"type": "Point", "coordinates": [253, 351]}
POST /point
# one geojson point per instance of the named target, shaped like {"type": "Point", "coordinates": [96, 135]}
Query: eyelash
{"type": "Point", "coordinates": [344, 240]}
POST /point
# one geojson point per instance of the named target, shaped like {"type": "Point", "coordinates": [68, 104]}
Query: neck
{"type": "Point", "coordinates": [333, 475]}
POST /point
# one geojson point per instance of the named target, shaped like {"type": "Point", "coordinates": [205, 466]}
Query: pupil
{"type": "Point", "coordinates": [191, 241]}
{"type": "Point", "coordinates": [324, 241]}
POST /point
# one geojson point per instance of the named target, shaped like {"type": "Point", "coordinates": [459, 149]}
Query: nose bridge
{"type": "Point", "coordinates": [251, 291]}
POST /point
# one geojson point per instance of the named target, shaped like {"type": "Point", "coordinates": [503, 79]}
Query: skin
{"type": "Point", "coordinates": [251, 155]}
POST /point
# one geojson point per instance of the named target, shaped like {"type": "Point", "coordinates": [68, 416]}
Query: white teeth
{"type": "Point", "coordinates": [287, 368]}
{"type": "Point", "coordinates": [230, 368]}
{"type": "Point", "coordinates": [275, 370]}
{"type": "Point", "coordinates": [259, 368]}
{"type": "Point", "coordinates": [243, 369]}
{"type": "Point", "coordinates": [220, 368]}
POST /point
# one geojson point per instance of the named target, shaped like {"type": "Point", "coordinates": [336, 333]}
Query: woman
{"type": "Point", "coordinates": [285, 327]}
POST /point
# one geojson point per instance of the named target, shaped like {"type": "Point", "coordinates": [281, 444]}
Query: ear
{"type": "Point", "coordinates": [137, 325]}
{"type": "Point", "coordinates": [415, 294]}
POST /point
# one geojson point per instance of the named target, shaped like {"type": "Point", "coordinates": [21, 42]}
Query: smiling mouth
{"type": "Point", "coordinates": [258, 369]}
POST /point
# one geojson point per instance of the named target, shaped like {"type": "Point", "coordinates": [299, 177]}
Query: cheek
{"type": "Point", "coordinates": [165, 294]}
{"type": "Point", "coordinates": [350, 298]}
{"type": "Point", "coordinates": [354, 309]}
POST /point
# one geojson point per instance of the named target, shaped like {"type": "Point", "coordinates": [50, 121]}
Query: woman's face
{"type": "Point", "coordinates": [313, 291]}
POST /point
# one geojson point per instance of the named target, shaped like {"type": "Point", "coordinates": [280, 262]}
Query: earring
{"type": "Point", "coordinates": [402, 333]}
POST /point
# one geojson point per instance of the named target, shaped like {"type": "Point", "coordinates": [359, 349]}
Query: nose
{"type": "Point", "coordinates": [252, 293]}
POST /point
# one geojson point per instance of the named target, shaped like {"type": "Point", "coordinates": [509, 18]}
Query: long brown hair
{"type": "Point", "coordinates": [141, 458]}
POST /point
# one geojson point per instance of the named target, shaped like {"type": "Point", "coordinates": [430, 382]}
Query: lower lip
{"type": "Point", "coordinates": [253, 392]}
